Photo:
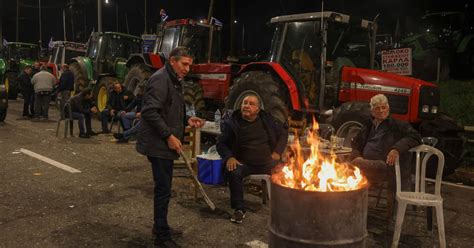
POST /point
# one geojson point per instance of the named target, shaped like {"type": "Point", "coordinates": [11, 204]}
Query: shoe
{"type": "Point", "coordinates": [92, 133]}
{"type": "Point", "coordinates": [175, 233]}
{"type": "Point", "coordinates": [238, 216]}
{"type": "Point", "coordinates": [118, 136]}
{"type": "Point", "coordinates": [166, 243]}
{"type": "Point", "coordinates": [122, 140]}
{"type": "Point", "coordinates": [84, 136]}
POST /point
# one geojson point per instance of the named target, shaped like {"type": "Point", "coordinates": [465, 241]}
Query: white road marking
{"type": "Point", "coordinates": [49, 161]}
{"type": "Point", "coordinates": [257, 244]}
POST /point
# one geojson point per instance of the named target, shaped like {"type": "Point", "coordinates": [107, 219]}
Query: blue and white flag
{"type": "Point", "coordinates": [163, 15]}
{"type": "Point", "coordinates": [216, 22]}
{"type": "Point", "coordinates": [51, 44]}
{"type": "Point", "coordinates": [5, 42]}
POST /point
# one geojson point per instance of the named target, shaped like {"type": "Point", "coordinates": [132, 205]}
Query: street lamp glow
{"type": "Point", "coordinates": [106, 1]}
{"type": "Point", "coordinates": [235, 21]}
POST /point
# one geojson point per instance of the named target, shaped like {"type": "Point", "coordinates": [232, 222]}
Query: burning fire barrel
{"type": "Point", "coordinates": [302, 218]}
{"type": "Point", "coordinates": [317, 201]}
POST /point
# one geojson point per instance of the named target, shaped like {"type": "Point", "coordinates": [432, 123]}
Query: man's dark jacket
{"type": "Point", "coordinates": [24, 82]}
{"type": "Point", "coordinates": [136, 103]}
{"type": "Point", "coordinates": [66, 81]}
{"type": "Point", "coordinates": [228, 145]}
{"type": "Point", "coordinates": [116, 100]}
{"type": "Point", "coordinates": [81, 105]}
{"type": "Point", "coordinates": [163, 114]}
{"type": "Point", "coordinates": [401, 137]}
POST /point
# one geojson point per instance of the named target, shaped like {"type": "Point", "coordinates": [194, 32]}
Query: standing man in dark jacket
{"type": "Point", "coordinates": [66, 85]}
{"type": "Point", "coordinates": [27, 90]}
{"type": "Point", "coordinates": [162, 130]}
{"type": "Point", "coordinates": [118, 101]}
{"type": "Point", "coordinates": [251, 142]}
{"type": "Point", "coordinates": [82, 107]}
{"type": "Point", "coordinates": [382, 141]}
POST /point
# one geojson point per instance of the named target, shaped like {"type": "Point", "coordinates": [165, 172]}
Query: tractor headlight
{"type": "Point", "coordinates": [434, 109]}
{"type": "Point", "coordinates": [425, 109]}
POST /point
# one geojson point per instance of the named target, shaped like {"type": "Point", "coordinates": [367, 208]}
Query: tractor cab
{"type": "Point", "coordinates": [109, 51]}
{"type": "Point", "coordinates": [192, 34]}
{"type": "Point", "coordinates": [303, 44]}
{"type": "Point", "coordinates": [64, 51]}
{"type": "Point", "coordinates": [16, 52]}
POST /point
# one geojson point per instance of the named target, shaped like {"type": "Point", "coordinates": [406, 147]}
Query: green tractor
{"type": "Point", "coordinates": [447, 36]}
{"type": "Point", "coordinates": [106, 56]}
{"type": "Point", "coordinates": [16, 55]}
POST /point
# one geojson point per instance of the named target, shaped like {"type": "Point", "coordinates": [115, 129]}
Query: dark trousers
{"type": "Point", "coordinates": [162, 175]}
{"type": "Point", "coordinates": [28, 103]}
{"type": "Point", "coordinates": [81, 119]}
{"type": "Point", "coordinates": [236, 185]}
{"type": "Point", "coordinates": [104, 119]}
{"type": "Point", "coordinates": [42, 104]}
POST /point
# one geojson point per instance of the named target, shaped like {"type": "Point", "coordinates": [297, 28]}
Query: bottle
{"type": "Point", "coordinates": [217, 118]}
{"type": "Point", "coordinates": [191, 111]}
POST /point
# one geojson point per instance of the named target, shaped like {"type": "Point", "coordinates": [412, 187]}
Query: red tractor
{"type": "Point", "coordinates": [207, 85]}
{"type": "Point", "coordinates": [317, 66]}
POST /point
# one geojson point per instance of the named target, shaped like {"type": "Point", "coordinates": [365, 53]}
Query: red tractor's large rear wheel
{"type": "Point", "coordinates": [80, 77]}
{"type": "Point", "coordinates": [269, 89]}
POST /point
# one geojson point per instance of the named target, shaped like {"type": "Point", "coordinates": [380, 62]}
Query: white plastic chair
{"type": "Point", "coordinates": [263, 178]}
{"type": "Point", "coordinates": [419, 196]}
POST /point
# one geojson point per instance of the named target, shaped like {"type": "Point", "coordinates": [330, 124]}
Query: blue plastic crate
{"type": "Point", "coordinates": [210, 171]}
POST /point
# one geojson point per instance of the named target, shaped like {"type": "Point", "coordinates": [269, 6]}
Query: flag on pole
{"type": "Point", "coordinates": [163, 15]}
{"type": "Point", "coordinates": [51, 44]}
{"type": "Point", "coordinates": [5, 42]}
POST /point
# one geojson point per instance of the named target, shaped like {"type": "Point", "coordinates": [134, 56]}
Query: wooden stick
{"type": "Point", "coordinates": [197, 183]}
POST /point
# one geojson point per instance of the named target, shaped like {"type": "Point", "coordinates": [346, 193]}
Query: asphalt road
{"type": "Point", "coordinates": [109, 202]}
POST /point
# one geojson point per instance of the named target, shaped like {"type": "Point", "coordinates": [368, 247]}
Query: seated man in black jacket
{"type": "Point", "coordinates": [382, 141]}
{"type": "Point", "coordinates": [82, 106]}
{"type": "Point", "coordinates": [117, 102]}
{"type": "Point", "coordinates": [251, 142]}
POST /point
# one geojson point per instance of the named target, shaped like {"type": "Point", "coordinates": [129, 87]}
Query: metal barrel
{"type": "Point", "coordinates": [317, 219]}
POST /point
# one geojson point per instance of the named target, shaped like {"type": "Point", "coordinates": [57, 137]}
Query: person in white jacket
{"type": "Point", "coordinates": [43, 83]}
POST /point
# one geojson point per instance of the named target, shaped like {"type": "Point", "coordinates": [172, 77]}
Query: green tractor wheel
{"type": "Point", "coordinates": [80, 78]}
{"type": "Point", "coordinates": [11, 85]}
{"type": "Point", "coordinates": [137, 75]}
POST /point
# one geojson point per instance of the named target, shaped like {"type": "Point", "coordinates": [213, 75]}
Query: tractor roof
{"type": "Point", "coordinates": [76, 46]}
{"type": "Point", "coordinates": [338, 17]}
{"type": "Point", "coordinates": [22, 44]}
{"type": "Point", "coordinates": [120, 34]}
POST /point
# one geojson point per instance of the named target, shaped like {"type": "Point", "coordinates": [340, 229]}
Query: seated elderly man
{"type": "Point", "coordinates": [381, 141]}
{"type": "Point", "coordinates": [251, 142]}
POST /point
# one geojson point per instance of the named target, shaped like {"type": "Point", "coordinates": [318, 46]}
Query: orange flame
{"type": "Point", "coordinates": [316, 171]}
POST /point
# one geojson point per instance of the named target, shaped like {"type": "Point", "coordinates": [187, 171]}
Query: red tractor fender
{"type": "Point", "coordinates": [278, 70]}
{"type": "Point", "coordinates": [214, 78]}
{"type": "Point", "coordinates": [358, 84]}
{"type": "Point", "coordinates": [152, 60]}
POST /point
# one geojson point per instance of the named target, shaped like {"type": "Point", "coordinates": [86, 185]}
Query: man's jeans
{"type": "Point", "coordinates": [127, 120]}
{"type": "Point", "coordinates": [28, 104]}
{"type": "Point", "coordinates": [132, 131]}
{"type": "Point", "coordinates": [42, 104]}
{"type": "Point", "coordinates": [104, 119]}
{"type": "Point", "coordinates": [162, 170]}
{"type": "Point", "coordinates": [236, 185]}
{"type": "Point", "coordinates": [81, 117]}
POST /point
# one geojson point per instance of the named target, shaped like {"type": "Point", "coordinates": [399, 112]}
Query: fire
{"type": "Point", "coordinates": [315, 171]}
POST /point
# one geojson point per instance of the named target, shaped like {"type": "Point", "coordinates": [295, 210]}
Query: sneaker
{"type": "Point", "coordinates": [175, 233]}
{"type": "Point", "coordinates": [118, 136]}
{"type": "Point", "coordinates": [169, 243]}
{"type": "Point", "coordinates": [122, 140]}
{"type": "Point", "coordinates": [92, 133]}
{"type": "Point", "coordinates": [238, 216]}
{"type": "Point", "coordinates": [84, 136]}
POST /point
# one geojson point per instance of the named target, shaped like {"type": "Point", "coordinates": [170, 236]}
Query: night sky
{"type": "Point", "coordinates": [251, 15]}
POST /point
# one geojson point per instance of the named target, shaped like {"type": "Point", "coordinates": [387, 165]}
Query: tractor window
{"type": "Point", "coordinates": [300, 54]}
{"type": "Point", "coordinates": [71, 54]}
{"type": "Point", "coordinates": [170, 40]}
{"type": "Point", "coordinates": [93, 47]}
{"type": "Point", "coordinates": [57, 55]}
{"type": "Point", "coordinates": [350, 43]}
{"type": "Point", "coordinates": [196, 39]}
{"type": "Point", "coordinates": [22, 52]}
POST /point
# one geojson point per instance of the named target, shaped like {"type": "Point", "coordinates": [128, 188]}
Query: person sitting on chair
{"type": "Point", "coordinates": [251, 142]}
{"type": "Point", "coordinates": [382, 141]}
{"type": "Point", "coordinates": [129, 116]}
{"type": "Point", "coordinates": [81, 107]}
{"type": "Point", "coordinates": [118, 100]}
